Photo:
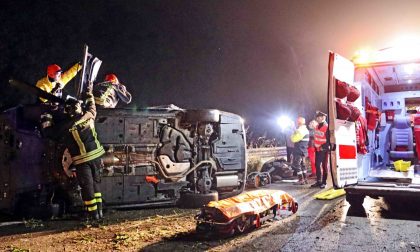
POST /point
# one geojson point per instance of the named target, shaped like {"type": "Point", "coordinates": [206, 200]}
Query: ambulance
{"type": "Point", "coordinates": [374, 123]}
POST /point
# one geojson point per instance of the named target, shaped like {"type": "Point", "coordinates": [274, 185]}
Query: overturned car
{"type": "Point", "coordinates": [154, 157]}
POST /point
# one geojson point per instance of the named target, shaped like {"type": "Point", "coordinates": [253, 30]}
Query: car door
{"type": "Point", "coordinates": [343, 155]}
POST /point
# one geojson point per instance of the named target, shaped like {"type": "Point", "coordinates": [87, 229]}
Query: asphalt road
{"type": "Point", "coordinates": [330, 225]}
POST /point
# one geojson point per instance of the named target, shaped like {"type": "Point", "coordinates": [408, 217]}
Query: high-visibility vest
{"type": "Point", "coordinates": [320, 136]}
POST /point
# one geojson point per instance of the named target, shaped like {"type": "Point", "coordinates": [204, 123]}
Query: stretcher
{"type": "Point", "coordinates": [243, 212]}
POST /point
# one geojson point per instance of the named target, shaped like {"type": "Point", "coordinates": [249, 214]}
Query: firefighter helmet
{"type": "Point", "coordinates": [52, 70]}
{"type": "Point", "coordinates": [112, 78]}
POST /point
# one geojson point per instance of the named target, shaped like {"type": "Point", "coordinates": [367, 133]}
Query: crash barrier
{"type": "Point", "coordinates": [258, 159]}
{"type": "Point", "coordinates": [264, 153]}
{"type": "Point", "coordinates": [244, 211]}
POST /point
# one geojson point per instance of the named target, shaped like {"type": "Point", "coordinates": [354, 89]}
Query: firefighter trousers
{"type": "Point", "coordinates": [321, 157]}
{"type": "Point", "coordinates": [89, 177]}
{"type": "Point", "coordinates": [299, 165]}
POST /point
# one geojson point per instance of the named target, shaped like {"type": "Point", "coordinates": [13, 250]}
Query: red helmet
{"type": "Point", "coordinates": [52, 70]}
{"type": "Point", "coordinates": [112, 78]}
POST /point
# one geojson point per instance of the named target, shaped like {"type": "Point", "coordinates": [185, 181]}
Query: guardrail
{"type": "Point", "coordinates": [267, 153]}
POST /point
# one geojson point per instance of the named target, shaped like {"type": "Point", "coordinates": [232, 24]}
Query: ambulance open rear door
{"type": "Point", "coordinates": [343, 155]}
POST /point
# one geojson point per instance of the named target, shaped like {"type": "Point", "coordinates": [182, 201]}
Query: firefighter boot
{"type": "Point", "coordinates": [89, 218]}
{"type": "Point", "coordinates": [94, 215]}
{"type": "Point", "coordinates": [98, 198]}
{"type": "Point", "coordinates": [100, 212]}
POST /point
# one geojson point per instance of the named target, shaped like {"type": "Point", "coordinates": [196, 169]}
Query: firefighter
{"type": "Point", "coordinates": [321, 144]}
{"type": "Point", "coordinates": [56, 80]}
{"type": "Point", "coordinates": [80, 138]}
{"type": "Point", "coordinates": [108, 93]}
{"type": "Point", "coordinates": [300, 138]}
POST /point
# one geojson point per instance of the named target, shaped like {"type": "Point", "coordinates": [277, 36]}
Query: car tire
{"type": "Point", "coordinates": [197, 200]}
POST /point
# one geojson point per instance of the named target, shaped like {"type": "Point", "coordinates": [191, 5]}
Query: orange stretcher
{"type": "Point", "coordinates": [244, 211]}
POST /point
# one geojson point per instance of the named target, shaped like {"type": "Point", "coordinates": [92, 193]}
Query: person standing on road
{"type": "Point", "coordinates": [300, 138]}
{"type": "Point", "coordinates": [321, 143]}
{"type": "Point", "coordinates": [80, 138]}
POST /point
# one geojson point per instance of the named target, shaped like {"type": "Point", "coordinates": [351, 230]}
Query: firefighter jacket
{"type": "Point", "coordinates": [79, 135]}
{"type": "Point", "coordinates": [107, 94]}
{"type": "Point", "coordinates": [321, 137]}
{"type": "Point", "coordinates": [300, 138]}
{"type": "Point", "coordinates": [54, 87]}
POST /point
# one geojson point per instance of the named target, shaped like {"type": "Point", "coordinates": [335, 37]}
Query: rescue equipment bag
{"type": "Point", "coordinates": [355, 113]}
{"type": "Point", "coordinates": [372, 115]}
{"type": "Point", "coordinates": [353, 95]}
{"type": "Point", "coordinates": [341, 89]}
{"type": "Point", "coordinates": [343, 112]}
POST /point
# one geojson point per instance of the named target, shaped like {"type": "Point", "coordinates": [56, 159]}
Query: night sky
{"type": "Point", "coordinates": [259, 59]}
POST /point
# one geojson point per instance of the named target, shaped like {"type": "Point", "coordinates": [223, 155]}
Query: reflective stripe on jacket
{"type": "Point", "coordinates": [320, 135]}
{"type": "Point", "coordinates": [107, 94]}
{"type": "Point", "coordinates": [300, 134]}
{"type": "Point", "coordinates": [46, 85]}
{"type": "Point", "coordinates": [82, 140]}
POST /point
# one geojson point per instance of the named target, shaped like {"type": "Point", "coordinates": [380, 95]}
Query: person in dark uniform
{"type": "Point", "coordinates": [108, 93]}
{"type": "Point", "coordinates": [300, 138]}
{"type": "Point", "coordinates": [79, 136]}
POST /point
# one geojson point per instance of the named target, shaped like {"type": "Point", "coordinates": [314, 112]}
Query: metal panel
{"type": "Point", "coordinates": [139, 130]}
{"type": "Point", "coordinates": [136, 189]}
{"type": "Point", "coordinates": [112, 189]}
{"type": "Point", "coordinates": [230, 150]}
{"type": "Point", "coordinates": [110, 129]}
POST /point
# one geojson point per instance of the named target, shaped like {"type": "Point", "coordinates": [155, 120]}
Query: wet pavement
{"type": "Point", "coordinates": [319, 225]}
{"type": "Point", "coordinates": [332, 225]}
